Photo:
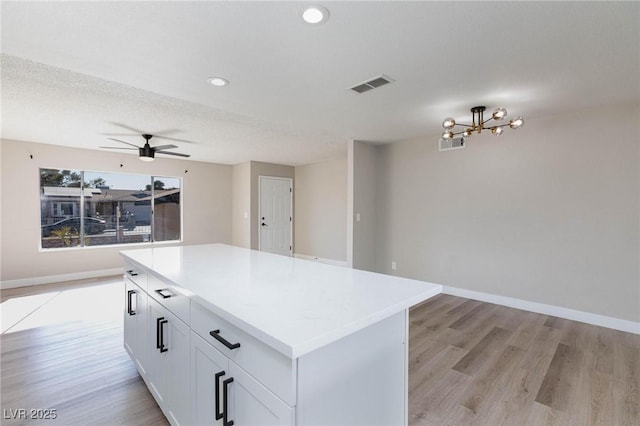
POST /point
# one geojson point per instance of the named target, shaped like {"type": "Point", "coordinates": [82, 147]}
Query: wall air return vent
{"type": "Point", "coordinates": [374, 83]}
{"type": "Point", "coordinates": [449, 144]}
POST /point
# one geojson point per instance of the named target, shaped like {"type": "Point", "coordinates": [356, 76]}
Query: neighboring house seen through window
{"type": "Point", "coordinates": [63, 209]}
{"type": "Point", "coordinates": [84, 208]}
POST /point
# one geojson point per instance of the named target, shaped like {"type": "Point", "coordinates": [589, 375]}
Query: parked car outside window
{"type": "Point", "coordinates": [91, 226]}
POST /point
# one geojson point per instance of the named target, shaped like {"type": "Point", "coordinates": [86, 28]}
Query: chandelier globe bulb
{"type": "Point", "coordinates": [497, 130]}
{"type": "Point", "coordinates": [516, 123]}
{"type": "Point", "coordinates": [499, 113]}
{"type": "Point", "coordinates": [448, 123]}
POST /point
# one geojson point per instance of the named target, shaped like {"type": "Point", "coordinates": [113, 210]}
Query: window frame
{"type": "Point", "coordinates": [80, 209]}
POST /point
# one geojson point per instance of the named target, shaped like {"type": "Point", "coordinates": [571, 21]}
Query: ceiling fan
{"type": "Point", "coordinates": [147, 152]}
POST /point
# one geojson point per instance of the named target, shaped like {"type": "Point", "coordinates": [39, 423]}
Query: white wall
{"type": "Point", "coordinates": [364, 216]}
{"type": "Point", "coordinates": [549, 213]}
{"type": "Point", "coordinates": [320, 209]}
{"type": "Point", "coordinates": [206, 201]}
{"type": "Point", "coordinates": [241, 205]}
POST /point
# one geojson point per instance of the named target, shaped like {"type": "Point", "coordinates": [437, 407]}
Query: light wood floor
{"type": "Point", "coordinates": [470, 363]}
{"type": "Point", "coordinates": [61, 349]}
{"type": "Point", "coordinates": [477, 363]}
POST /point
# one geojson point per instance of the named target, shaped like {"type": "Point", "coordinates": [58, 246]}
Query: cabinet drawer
{"type": "Point", "coordinates": [170, 296]}
{"type": "Point", "coordinates": [268, 366]}
{"type": "Point", "coordinates": [253, 404]}
{"type": "Point", "coordinates": [136, 274]}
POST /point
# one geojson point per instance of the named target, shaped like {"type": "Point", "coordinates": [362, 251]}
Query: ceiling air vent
{"type": "Point", "coordinates": [454, 143]}
{"type": "Point", "coordinates": [374, 83]}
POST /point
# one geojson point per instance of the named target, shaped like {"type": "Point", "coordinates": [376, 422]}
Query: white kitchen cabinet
{"type": "Point", "coordinates": [222, 391]}
{"type": "Point", "coordinates": [252, 404]}
{"type": "Point", "coordinates": [271, 368]}
{"type": "Point", "coordinates": [158, 342]}
{"type": "Point", "coordinates": [239, 337]}
{"type": "Point", "coordinates": [206, 363]}
{"type": "Point", "coordinates": [135, 325]}
{"type": "Point", "coordinates": [168, 362]}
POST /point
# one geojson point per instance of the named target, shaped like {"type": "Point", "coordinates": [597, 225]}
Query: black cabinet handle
{"type": "Point", "coordinates": [216, 335]}
{"type": "Point", "coordinates": [217, 376]}
{"type": "Point", "coordinates": [161, 323]}
{"type": "Point", "coordinates": [225, 411]}
{"type": "Point", "coordinates": [129, 294]}
{"type": "Point", "coordinates": [158, 332]}
{"type": "Point", "coordinates": [164, 293]}
{"type": "Point", "coordinates": [133, 274]}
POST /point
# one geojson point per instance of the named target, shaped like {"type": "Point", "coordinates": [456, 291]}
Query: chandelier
{"type": "Point", "coordinates": [479, 124]}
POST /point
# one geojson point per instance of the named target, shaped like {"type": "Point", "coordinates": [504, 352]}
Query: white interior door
{"type": "Point", "coordinates": [276, 216]}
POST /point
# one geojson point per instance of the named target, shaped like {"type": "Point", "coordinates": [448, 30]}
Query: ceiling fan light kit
{"type": "Point", "coordinates": [478, 123]}
{"type": "Point", "coordinates": [146, 153]}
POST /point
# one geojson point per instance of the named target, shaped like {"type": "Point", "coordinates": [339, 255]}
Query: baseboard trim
{"type": "Point", "coordinates": [25, 282]}
{"type": "Point", "coordinates": [321, 259]}
{"type": "Point", "coordinates": [541, 308]}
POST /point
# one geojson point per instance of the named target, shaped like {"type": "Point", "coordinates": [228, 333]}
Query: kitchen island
{"type": "Point", "coordinates": [244, 337]}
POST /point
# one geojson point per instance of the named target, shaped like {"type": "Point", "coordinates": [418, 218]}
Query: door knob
{"type": "Point", "coordinates": [264, 224]}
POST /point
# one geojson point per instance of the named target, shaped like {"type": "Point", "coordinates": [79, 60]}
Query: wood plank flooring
{"type": "Point", "coordinates": [482, 364]}
{"type": "Point", "coordinates": [471, 363]}
{"type": "Point", "coordinates": [61, 349]}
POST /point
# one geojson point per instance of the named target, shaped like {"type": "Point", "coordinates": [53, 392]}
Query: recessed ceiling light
{"type": "Point", "coordinates": [217, 81]}
{"type": "Point", "coordinates": [315, 14]}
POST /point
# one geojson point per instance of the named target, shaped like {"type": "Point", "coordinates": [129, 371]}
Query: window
{"type": "Point", "coordinates": [84, 208]}
{"type": "Point", "coordinates": [63, 209]}
{"type": "Point", "coordinates": [166, 217]}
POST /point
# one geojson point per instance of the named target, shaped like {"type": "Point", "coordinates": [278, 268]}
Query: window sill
{"type": "Point", "coordinates": [109, 246]}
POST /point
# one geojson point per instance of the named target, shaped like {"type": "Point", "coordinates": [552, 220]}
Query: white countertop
{"type": "Point", "coordinates": [293, 305]}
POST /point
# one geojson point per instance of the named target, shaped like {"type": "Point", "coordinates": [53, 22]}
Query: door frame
{"type": "Point", "coordinates": [290, 180]}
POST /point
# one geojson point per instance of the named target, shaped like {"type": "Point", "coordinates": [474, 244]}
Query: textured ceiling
{"type": "Point", "coordinates": [73, 72]}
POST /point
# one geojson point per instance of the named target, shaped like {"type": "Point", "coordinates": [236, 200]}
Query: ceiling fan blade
{"type": "Point", "coordinates": [124, 126]}
{"type": "Point", "coordinates": [173, 153]}
{"type": "Point", "coordinates": [129, 134]}
{"type": "Point", "coordinates": [167, 131]}
{"type": "Point", "coordinates": [162, 147]}
{"type": "Point", "coordinates": [118, 140]}
{"type": "Point", "coordinates": [157, 135]}
{"type": "Point", "coordinates": [167, 138]}
{"type": "Point", "coordinates": [117, 147]}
